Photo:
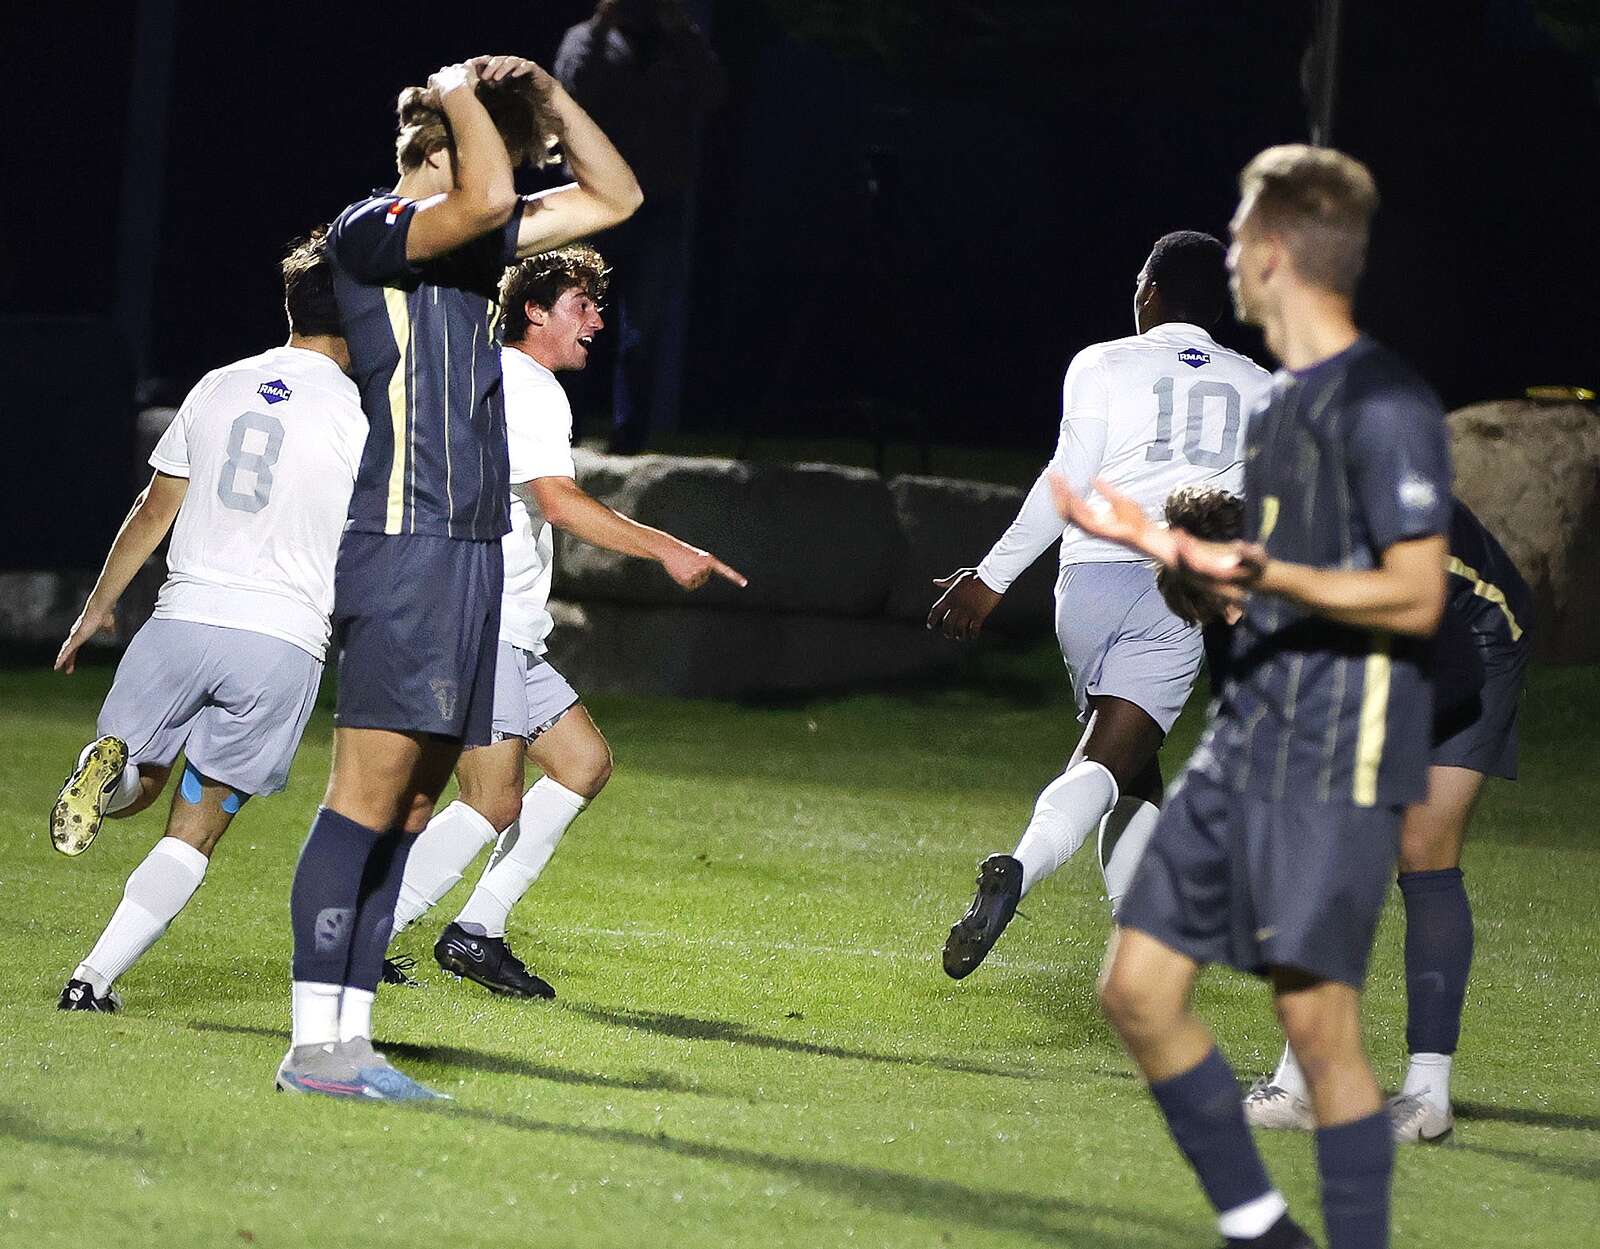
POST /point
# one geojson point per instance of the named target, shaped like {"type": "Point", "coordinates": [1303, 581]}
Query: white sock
{"type": "Point", "coordinates": [441, 854]}
{"type": "Point", "coordinates": [1127, 829]}
{"type": "Point", "coordinates": [1290, 1078]}
{"type": "Point", "coordinates": [316, 1012]}
{"type": "Point", "coordinates": [355, 1013]}
{"type": "Point", "coordinates": [1254, 1218]}
{"type": "Point", "coordinates": [127, 783]}
{"type": "Point", "coordinates": [1066, 813]}
{"type": "Point", "coordinates": [157, 890]}
{"type": "Point", "coordinates": [547, 809]}
{"type": "Point", "coordinates": [1428, 1077]}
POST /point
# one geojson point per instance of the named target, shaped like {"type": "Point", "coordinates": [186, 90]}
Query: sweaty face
{"type": "Point", "coordinates": [1141, 292]}
{"type": "Point", "coordinates": [569, 329]}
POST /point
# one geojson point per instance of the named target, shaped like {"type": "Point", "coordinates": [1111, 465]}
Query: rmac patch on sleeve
{"type": "Point", "coordinates": [274, 391]}
{"type": "Point", "coordinates": [1194, 357]}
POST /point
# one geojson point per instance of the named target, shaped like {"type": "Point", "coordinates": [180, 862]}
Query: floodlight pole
{"type": "Point", "coordinates": [144, 176]}
{"type": "Point", "coordinates": [1322, 85]}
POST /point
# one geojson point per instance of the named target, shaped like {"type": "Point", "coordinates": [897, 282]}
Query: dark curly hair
{"type": "Point", "coordinates": [1190, 269]}
{"type": "Point", "coordinates": [519, 107]}
{"type": "Point", "coordinates": [543, 278]}
{"type": "Point", "coordinates": [308, 286]}
{"type": "Point", "coordinates": [1206, 512]}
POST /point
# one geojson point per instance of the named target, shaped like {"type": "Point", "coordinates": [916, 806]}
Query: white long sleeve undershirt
{"type": "Point", "coordinates": [1078, 457]}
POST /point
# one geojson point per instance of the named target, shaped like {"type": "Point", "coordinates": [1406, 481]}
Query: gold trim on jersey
{"type": "Point", "coordinates": [1269, 517]}
{"type": "Point", "coordinates": [1374, 723]}
{"type": "Point", "coordinates": [1488, 591]}
{"type": "Point", "coordinates": [394, 301]}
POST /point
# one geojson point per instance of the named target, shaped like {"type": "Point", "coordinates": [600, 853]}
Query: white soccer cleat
{"type": "Point", "coordinates": [80, 808]}
{"type": "Point", "coordinates": [1268, 1106]}
{"type": "Point", "coordinates": [1418, 1121]}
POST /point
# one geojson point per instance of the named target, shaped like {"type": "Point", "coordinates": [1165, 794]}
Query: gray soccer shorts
{"type": "Point", "coordinates": [1119, 639]}
{"type": "Point", "coordinates": [1233, 878]}
{"type": "Point", "coordinates": [234, 702]}
{"type": "Point", "coordinates": [529, 695]}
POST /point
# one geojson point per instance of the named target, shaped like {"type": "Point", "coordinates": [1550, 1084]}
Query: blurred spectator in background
{"type": "Point", "coordinates": [648, 76]}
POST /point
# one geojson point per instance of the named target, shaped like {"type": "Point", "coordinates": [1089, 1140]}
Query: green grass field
{"type": "Point", "coordinates": [754, 1043]}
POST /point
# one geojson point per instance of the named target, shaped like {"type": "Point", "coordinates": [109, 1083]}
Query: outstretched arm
{"type": "Point", "coordinates": [146, 524]}
{"type": "Point", "coordinates": [572, 509]}
{"type": "Point", "coordinates": [1404, 594]}
{"type": "Point", "coordinates": [605, 193]}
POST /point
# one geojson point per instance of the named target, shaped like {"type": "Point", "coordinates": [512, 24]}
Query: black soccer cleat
{"type": "Point", "coordinates": [1284, 1234]}
{"type": "Point", "coordinates": [398, 971]}
{"type": "Point", "coordinates": [487, 961]}
{"type": "Point", "coordinates": [79, 995]}
{"type": "Point", "coordinates": [974, 934]}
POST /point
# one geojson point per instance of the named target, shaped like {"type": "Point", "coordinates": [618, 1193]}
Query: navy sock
{"type": "Point", "coordinates": [1205, 1115]}
{"type": "Point", "coordinates": [1355, 1161]}
{"type": "Point", "coordinates": [374, 926]}
{"type": "Point", "coordinates": [1438, 958]}
{"type": "Point", "coordinates": [325, 894]}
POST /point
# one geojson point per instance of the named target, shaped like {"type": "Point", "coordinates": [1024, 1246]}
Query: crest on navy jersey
{"type": "Point", "coordinates": [1194, 357]}
{"type": "Point", "coordinates": [274, 391]}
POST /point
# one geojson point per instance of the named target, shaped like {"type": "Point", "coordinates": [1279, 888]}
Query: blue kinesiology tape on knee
{"type": "Point", "coordinates": [189, 786]}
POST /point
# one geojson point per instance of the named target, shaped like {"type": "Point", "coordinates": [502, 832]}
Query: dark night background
{"type": "Point", "coordinates": [1026, 153]}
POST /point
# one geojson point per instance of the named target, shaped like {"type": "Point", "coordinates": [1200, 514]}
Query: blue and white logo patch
{"type": "Point", "coordinates": [1417, 494]}
{"type": "Point", "coordinates": [274, 391]}
{"type": "Point", "coordinates": [1194, 357]}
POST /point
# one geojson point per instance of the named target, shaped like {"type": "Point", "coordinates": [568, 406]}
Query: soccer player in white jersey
{"type": "Point", "coordinates": [551, 309]}
{"type": "Point", "coordinates": [256, 469]}
{"type": "Point", "coordinates": [1162, 409]}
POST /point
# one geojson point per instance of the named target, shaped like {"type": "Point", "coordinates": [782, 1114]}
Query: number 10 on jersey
{"type": "Point", "coordinates": [1224, 401]}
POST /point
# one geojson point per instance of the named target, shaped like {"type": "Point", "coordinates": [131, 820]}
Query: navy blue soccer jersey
{"type": "Point", "coordinates": [423, 353]}
{"type": "Point", "coordinates": [1346, 459]}
{"type": "Point", "coordinates": [1486, 590]}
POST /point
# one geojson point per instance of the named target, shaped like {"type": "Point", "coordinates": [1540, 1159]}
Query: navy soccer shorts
{"type": "Point", "coordinates": [1233, 878]}
{"type": "Point", "coordinates": [416, 619]}
{"type": "Point", "coordinates": [1475, 723]}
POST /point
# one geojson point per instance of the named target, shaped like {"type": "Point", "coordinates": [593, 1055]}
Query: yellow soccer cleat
{"type": "Point", "coordinates": [81, 808]}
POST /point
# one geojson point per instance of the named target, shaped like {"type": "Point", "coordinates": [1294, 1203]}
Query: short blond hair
{"type": "Point", "coordinates": [1320, 202]}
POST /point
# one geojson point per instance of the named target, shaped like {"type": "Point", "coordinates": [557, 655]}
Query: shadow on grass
{"type": "Point", "coordinates": [1526, 1116]}
{"type": "Point", "coordinates": [1585, 1170]}
{"type": "Point", "coordinates": [496, 1064]}
{"type": "Point", "coordinates": [1056, 1219]}
{"type": "Point", "coordinates": [693, 1028]}
{"type": "Point", "coordinates": [16, 1126]}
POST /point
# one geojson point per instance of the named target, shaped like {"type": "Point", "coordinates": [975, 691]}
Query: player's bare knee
{"type": "Point", "coordinates": [500, 808]}
{"type": "Point", "coordinates": [1135, 1007]}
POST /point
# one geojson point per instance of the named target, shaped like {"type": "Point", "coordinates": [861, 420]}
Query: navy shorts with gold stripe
{"type": "Point", "coordinates": [416, 620]}
{"type": "Point", "coordinates": [1233, 878]}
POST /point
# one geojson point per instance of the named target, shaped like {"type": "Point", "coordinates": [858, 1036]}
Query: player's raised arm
{"type": "Point", "coordinates": [146, 524]}
{"type": "Point", "coordinates": [572, 509]}
{"type": "Point", "coordinates": [605, 193]}
{"type": "Point", "coordinates": [484, 191]}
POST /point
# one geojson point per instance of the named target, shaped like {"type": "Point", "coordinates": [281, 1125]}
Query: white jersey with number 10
{"type": "Point", "coordinates": [1148, 414]}
{"type": "Point", "coordinates": [270, 446]}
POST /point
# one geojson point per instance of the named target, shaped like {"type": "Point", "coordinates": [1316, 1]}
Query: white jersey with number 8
{"type": "Point", "coordinates": [270, 446]}
{"type": "Point", "coordinates": [1148, 414]}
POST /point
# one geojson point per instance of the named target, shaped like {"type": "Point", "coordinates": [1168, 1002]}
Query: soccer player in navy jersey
{"type": "Point", "coordinates": [1274, 852]}
{"type": "Point", "coordinates": [418, 579]}
{"type": "Point", "coordinates": [1479, 657]}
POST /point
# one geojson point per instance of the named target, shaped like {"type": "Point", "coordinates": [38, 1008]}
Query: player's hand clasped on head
{"type": "Point", "coordinates": [960, 612]}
